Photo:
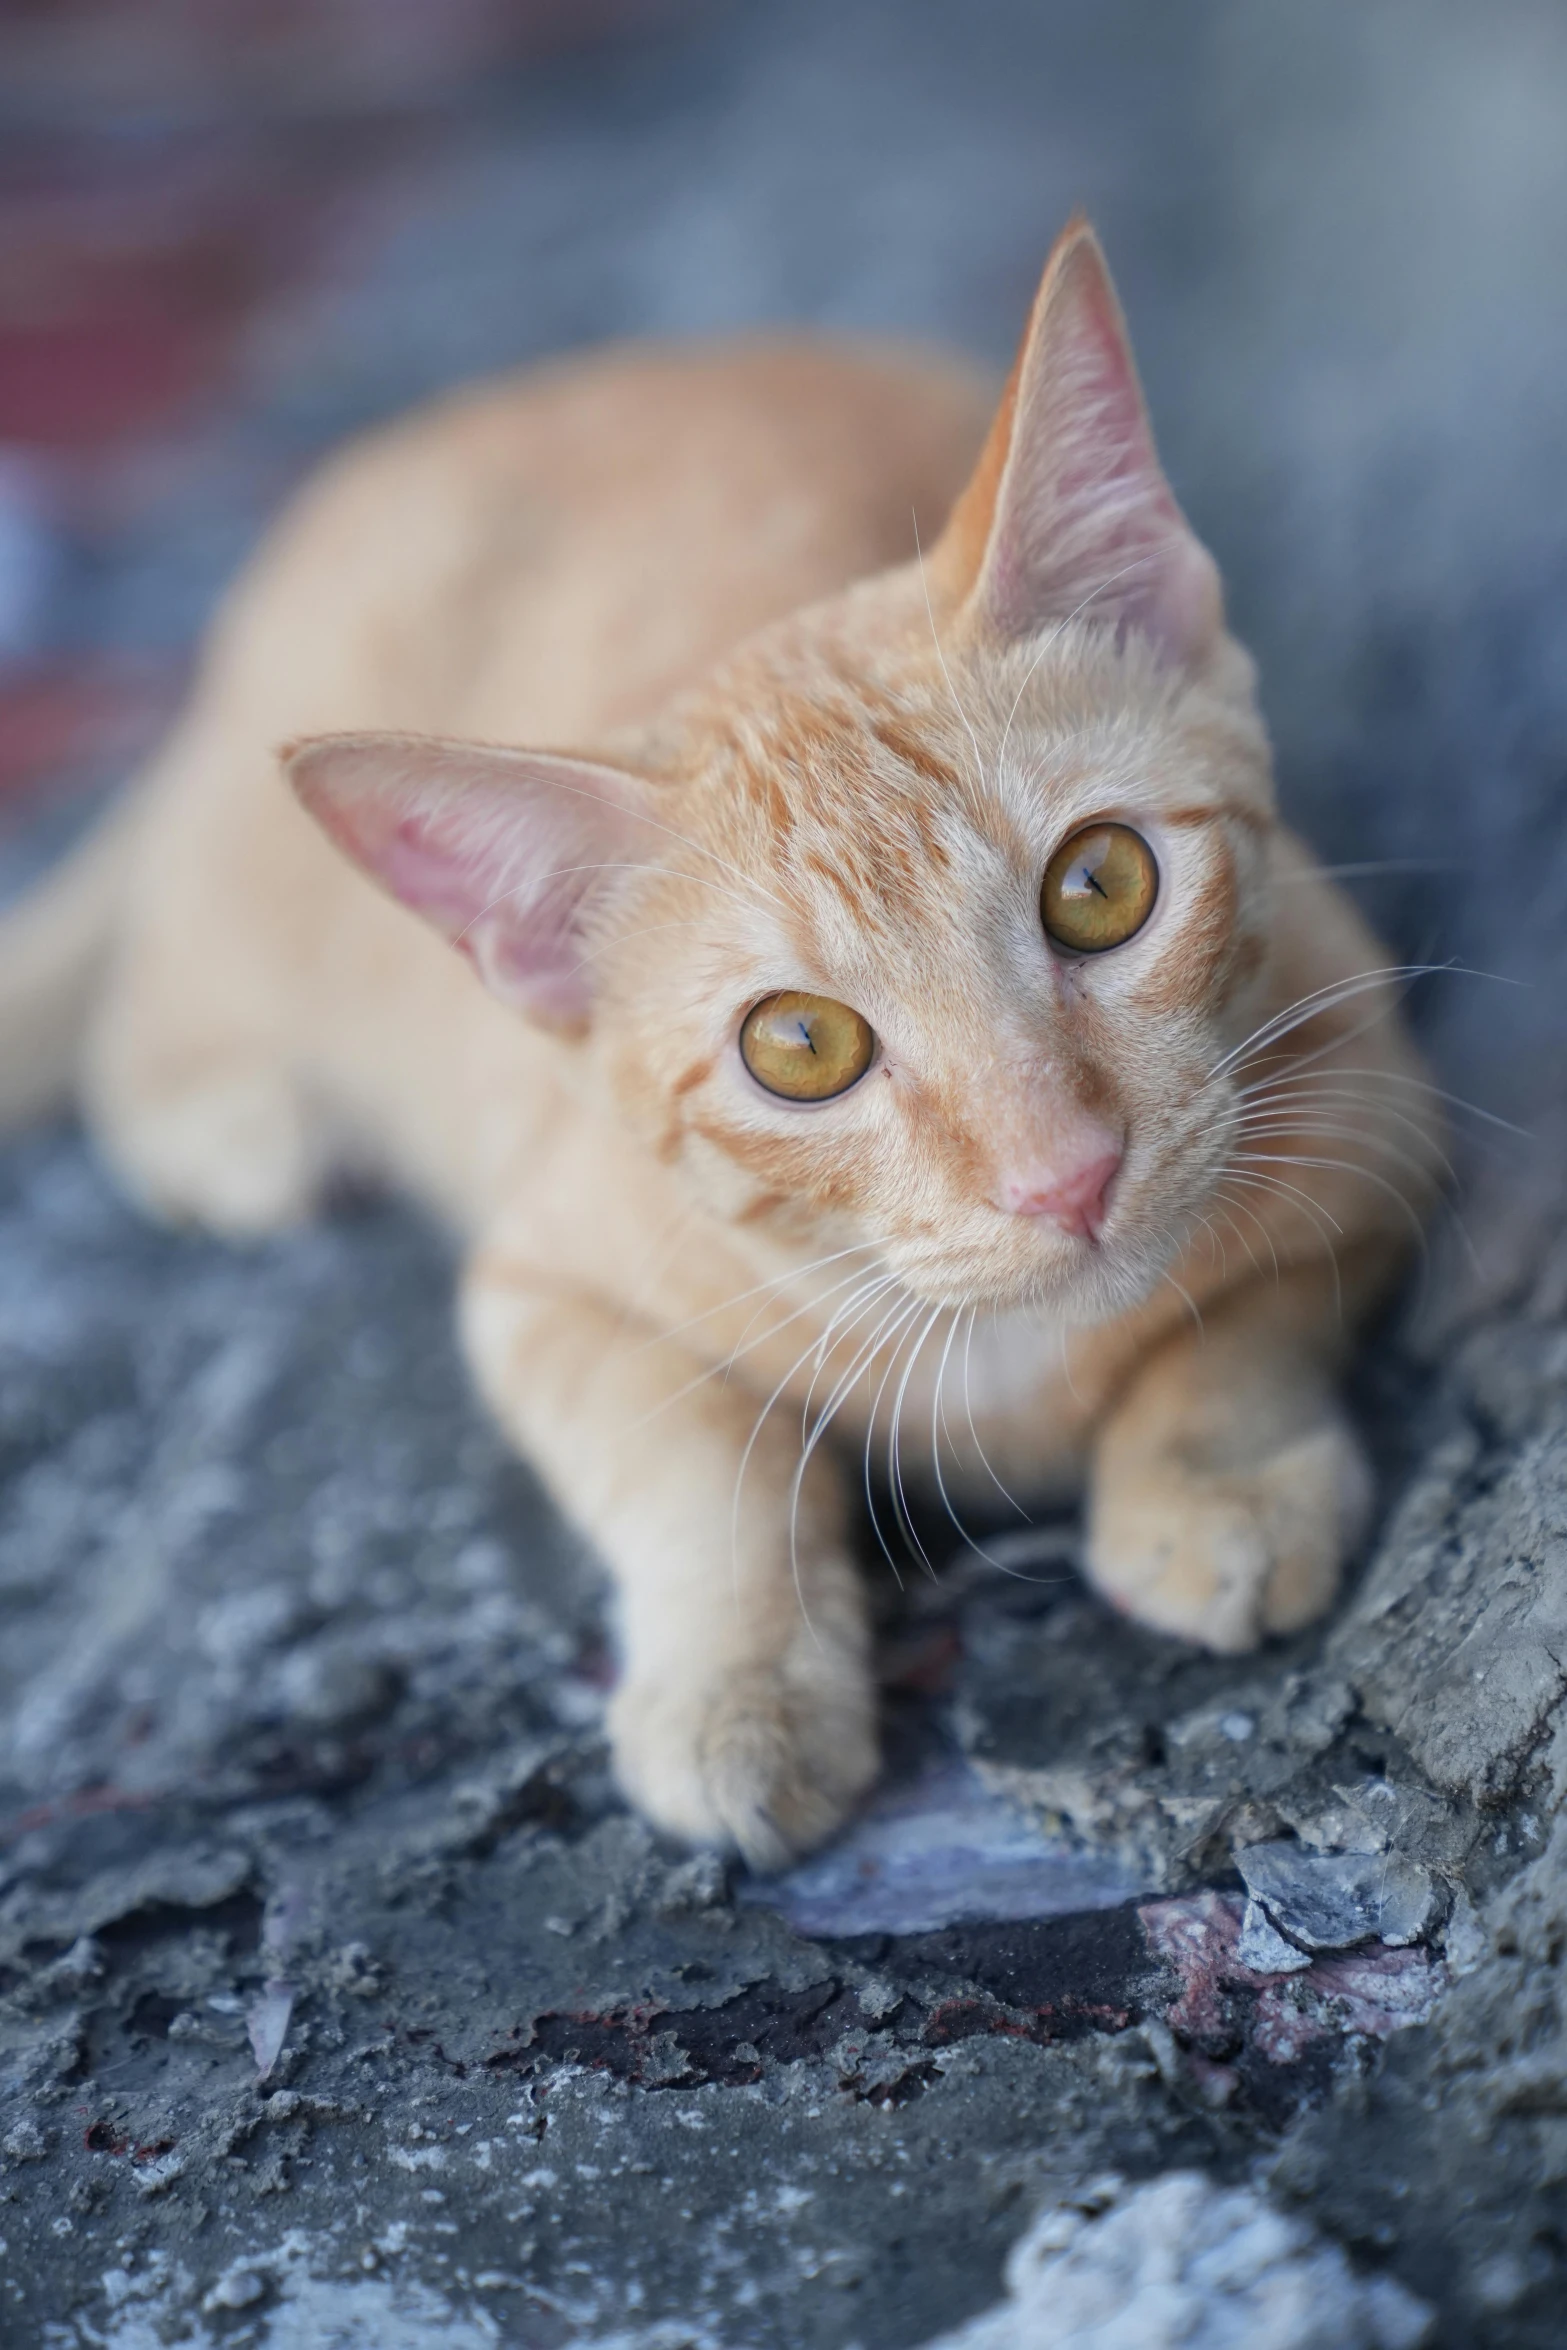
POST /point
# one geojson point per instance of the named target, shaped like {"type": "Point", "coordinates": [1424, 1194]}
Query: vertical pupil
{"type": "Point", "coordinates": [806, 1037]}
{"type": "Point", "coordinates": [1107, 863]}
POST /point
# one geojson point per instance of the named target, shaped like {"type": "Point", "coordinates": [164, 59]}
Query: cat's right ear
{"type": "Point", "coordinates": [1068, 512]}
{"type": "Point", "coordinates": [511, 855]}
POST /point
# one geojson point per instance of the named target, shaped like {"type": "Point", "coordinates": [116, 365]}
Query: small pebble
{"type": "Point", "coordinates": [1334, 1900]}
{"type": "Point", "coordinates": [354, 1968]}
{"type": "Point", "coordinates": [697, 1884]}
{"type": "Point", "coordinates": [237, 2288]}
{"type": "Point", "coordinates": [330, 1687]}
{"type": "Point", "coordinates": [1263, 1948]}
{"type": "Point", "coordinates": [878, 1998]}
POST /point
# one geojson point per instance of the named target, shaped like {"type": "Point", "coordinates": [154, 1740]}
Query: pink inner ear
{"type": "Point", "coordinates": [1085, 520]}
{"type": "Point", "coordinates": [415, 866]}
{"type": "Point", "coordinates": [503, 852]}
{"type": "Point", "coordinates": [542, 970]}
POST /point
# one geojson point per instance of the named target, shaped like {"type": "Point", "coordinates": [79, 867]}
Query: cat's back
{"type": "Point", "coordinates": [546, 556]}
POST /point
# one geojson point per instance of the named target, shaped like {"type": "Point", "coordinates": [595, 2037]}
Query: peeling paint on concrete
{"type": "Point", "coordinates": [301, 1683]}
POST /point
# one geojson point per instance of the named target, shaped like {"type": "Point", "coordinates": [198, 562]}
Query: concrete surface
{"type": "Point", "coordinates": [340, 2000]}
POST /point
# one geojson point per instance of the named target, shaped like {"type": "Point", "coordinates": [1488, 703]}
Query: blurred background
{"type": "Point", "coordinates": [233, 230]}
{"type": "Point", "coordinates": [274, 1598]}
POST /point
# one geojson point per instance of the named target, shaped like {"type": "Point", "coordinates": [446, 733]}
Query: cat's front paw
{"type": "Point", "coordinates": [766, 1760]}
{"type": "Point", "coordinates": [231, 1154]}
{"type": "Point", "coordinates": [1226, 1559]}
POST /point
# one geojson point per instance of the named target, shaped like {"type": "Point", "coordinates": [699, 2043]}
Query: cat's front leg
{"type": "Point", "coordinates": [745, 1715]}
{"type": "Point", "coordinates": [1227, 1487]}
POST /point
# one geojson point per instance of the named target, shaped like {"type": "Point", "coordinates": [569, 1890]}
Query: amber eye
{"type": "Point", "coordinates": [805, 1047]}
{"type": "Point", "coordinates": [1099, 888]}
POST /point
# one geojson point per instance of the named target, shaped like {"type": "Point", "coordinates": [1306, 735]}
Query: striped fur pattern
{"type": "Point", "coordinates": [804, 756]}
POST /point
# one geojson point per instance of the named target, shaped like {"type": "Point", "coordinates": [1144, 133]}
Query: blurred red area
{"type": "Point", "coordinates": [173, 173]}
{"type": "Point", "coordinates": [68, 724]}
{"type": "Point", "coordinates": [121, 290]}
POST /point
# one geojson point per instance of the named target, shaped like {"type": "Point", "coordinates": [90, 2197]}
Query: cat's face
{"type": "Point", "coordinates": [950, 952]}
{"type": "Point", "coordinates": [950, 897]}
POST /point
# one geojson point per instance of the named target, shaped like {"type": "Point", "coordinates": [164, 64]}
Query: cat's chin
{"type": "Point", "coordinates": [1096, 1284]}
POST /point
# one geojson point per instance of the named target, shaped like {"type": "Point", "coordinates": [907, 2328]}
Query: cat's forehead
{"type": "Point", "coordinates": [860, 798]}
{"type": "Point", "coordinates": [884, 839]}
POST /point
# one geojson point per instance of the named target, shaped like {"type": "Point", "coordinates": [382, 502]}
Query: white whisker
{"type": "Point", "coordinates": [824, 1420]}
{"type": "Point", "coordinates": [853, 1311]}
{"type": "Point", "coordinates": [894, 1338]}
{"type": "Point", "coordinates": [1188, 1301]}
{"type": "Point", "coordinates": [745, 1461]}
{"type": "Point", "coordinates": [968, 1413]}
{"type": "Point", "coordinates": [1367, 1175]}
{"type": "Point", "coordinates": [721, 1370]}
{"type": "Point", "coordinates": [1224, 1211]}
{"type": "Point", "coordinates": [1274, 1128]}
{"type": "Point", "coordinates": [894, 1444]}
{"type": "Point", "coordinates": [1277, 1183]}
{"type": "Point", "coordinates": [1298, 1074]}
{"type": "Point", "coordinates": [1303, 1204]}
{"type": "Point", "coordinates": [1316, 1005]}
{"type": "Point", "coordinates": [939, 1404]}
{"type": "Point", "coordinates": [773, 1281]}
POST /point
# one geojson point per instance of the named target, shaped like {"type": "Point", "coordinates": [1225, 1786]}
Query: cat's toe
{"type": "Point", "coordinates": [231, 1155]}
{"type": "Point", "coordinates": [767, 1765]}
{"type": "Point", "coordinates": [1196, 1572]}
{"type": "Point", "coordinates": [1226, 1560]}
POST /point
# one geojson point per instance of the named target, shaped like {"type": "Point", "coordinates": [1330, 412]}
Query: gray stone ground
{"type": "Point", "coordinates": [340, 2000]}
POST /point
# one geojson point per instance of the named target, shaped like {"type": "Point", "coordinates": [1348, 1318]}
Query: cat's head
{"type": "Point", "coordinates": [928, 920]}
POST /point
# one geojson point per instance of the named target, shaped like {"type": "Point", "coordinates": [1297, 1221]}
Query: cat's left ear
{"type": "Point", "coordinates": [1068, 512]}
{"type": "Point", "coordinates": [515, 857]}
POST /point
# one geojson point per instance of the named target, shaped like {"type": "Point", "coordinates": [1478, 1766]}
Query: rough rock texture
{"type": "Point", "coordinates": [1179, 2261]}
{"type": "Point", "coordinates": [340, 2000]}
{"type": "Point", "coordinates": [1457, 2150]}
{"type": "Point", "coordinates": [315, 1889]}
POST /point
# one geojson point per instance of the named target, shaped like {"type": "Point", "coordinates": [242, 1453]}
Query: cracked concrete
{"type": "Point", "coordinates": [340, 1999]}
{"type": "Point", "coordinates": [398, 1991]}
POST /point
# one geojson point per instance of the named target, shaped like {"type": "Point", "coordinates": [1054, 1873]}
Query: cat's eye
{"type": "Point", "coordinates": [805, 1047]}
{"type": "Point", "coordinates": [1099, 888]}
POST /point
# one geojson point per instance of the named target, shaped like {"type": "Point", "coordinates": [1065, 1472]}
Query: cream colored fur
{"type": "Point", "coordinates": [794, 781]}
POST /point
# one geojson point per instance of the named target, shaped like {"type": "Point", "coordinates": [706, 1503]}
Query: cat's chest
{"type": "Point", "coordinates": [982, 1395]}
{"type": "Point", "coordinates": [1007, 1360]}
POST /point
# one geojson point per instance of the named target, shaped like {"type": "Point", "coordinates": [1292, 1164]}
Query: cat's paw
{"type": "Point", "coordinates": [766, 1761]}
{"type": "Point", "coordinates": [230, 1155]}
{"type": "Point", "coordinates": [1226, 1559]}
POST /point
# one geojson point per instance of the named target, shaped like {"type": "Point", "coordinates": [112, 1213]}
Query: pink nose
{"type": "Point", "coordinates": [1075, 1200]}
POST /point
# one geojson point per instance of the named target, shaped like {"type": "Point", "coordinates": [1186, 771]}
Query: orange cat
{"type": "Point", "coordinates": [900, 1022]}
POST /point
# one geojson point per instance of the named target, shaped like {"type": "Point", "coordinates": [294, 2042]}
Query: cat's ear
{"type": "Point", "coordinates": [1068, 510]}
{"type": "Point", "coordinates": [508, 854]}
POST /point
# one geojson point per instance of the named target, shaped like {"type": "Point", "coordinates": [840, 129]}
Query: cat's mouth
{"type": "Point", "coordinates": [1080, 1270]}
{"type": "Point", "coordinates": [1078, 1278]}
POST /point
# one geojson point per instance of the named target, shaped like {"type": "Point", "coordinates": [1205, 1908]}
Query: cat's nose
{"type": "Point", "coordinates": [1074, 1196]}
